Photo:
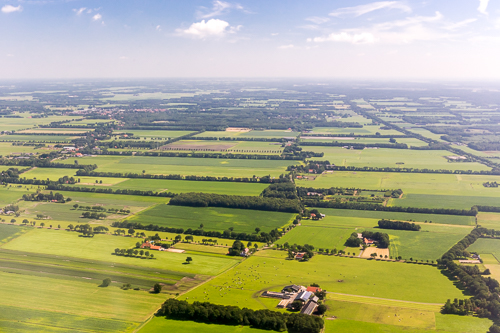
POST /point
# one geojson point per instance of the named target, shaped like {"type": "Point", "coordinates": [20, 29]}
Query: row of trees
{"type": "Point", "coordinates": [368, 206]}
{"type": "Point", "coordinates": [45, 197]}
{"type": "Point", "coordinates": [236, 201]}
{"type": "Point", "coordinates": [264, 179]}
{"type": "Point", "coordinates": [280, 190]}
{"type": "Point", "coordinates": [232, 315]}
{"type": "Point", "coordinates": [109, 190]}
{"type": "Point", "coordinates": [132, 253]}
{"type": "Point", "coordinates": [398, 225]}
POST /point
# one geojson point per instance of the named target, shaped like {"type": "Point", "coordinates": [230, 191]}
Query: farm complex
{"type": "Point", "coordinates": [249, 207]}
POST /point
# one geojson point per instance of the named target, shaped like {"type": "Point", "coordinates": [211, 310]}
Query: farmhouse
{"type": "Point", "coordinates": [292, 293]}
{"type": "Point", "coordinates": [368, 241]}
{"type": "Point", "coordinates": [300, 255]}
{"type": "Point", "coordinates": [313, 289]}
{"type": "Point", "coordinates": [151, 246]}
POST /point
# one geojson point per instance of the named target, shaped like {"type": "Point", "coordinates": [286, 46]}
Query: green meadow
{"type": "Point", "coordinates": [365, 130]}
{"type": "Point", "coordinates": [319, 237]}
{"type": "Point", "coordinates": [213, 218]}
{"type": "Point", "coordinates": [101, 248]}
{"type": "Point", "coordinates": [243, 284]}
{"type": "Point", "coordinates": [10, 194]}
{"type": "Point", "coordinates": [443, 201]}
{"type": "Point", "coordinates": [488, 246]}
{"type": "Point", "coordinates": [384, 157]}
{"type": "Point", "coordinates": [153, 135]}
{"type": "Point", "coordinates": [187, 166]}
{"type": "Point", "coordinates": [160, 325]}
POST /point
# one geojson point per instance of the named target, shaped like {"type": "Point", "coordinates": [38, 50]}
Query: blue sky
{"type": "Point", "coordinates": [445, 39]}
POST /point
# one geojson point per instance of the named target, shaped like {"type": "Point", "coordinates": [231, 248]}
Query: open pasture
{"type": "Point", "coordinates": [395, 158]}
{"type": "Point", "coordinates": [319, 237]}
{"type": "Point", "coordinates": [486, 245]}
{"type": "Point", "coordinates": [188, 165]}
{"type": "Point", "coordinates": [237, 147]}
{"type": "Point", "coordinates": [364, 218]}
{"type": "Point", "coordinates": [7, 232]}
{"type": "Point", "coordinates": [365, 130]}
{"type": "Point", "coordinates": [26, 122]}
{"type": "Point", "coordinates": [414, 183]}
{"type": "Point", "coordinates": [39, 138]}
{"type": "Point", "coordinates": [182, 186]}
{"type": "Point", "coordinates": [152, 135]}
{"type": "Point", "coordinates": [243, 284]}
{"type": "Point", "coordinates": [213, 218]}
{"type": "Point", "coordinates": [6, 148]}
{"type": "Point", "coordinates": [161, 325]}
{"type": "Point", "coordinates": [489, 220]}
{"type": "Point", "coordinates": [50, 173]}
{"type": "Point", "coordinates": [443, 201]}
{"type": "Point", "coordinates": [10, 194]}
{"type": "Point", "coordinates": [101, 247]}
{"type": "Point", "coordinates": [250, 134]}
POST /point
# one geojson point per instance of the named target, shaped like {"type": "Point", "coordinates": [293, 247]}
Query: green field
{"type": "Point", "coordinates": [485, 245]}
{"type": "Point", "coordinates": [384, 157]}
{"type": "Point", "coordinates": [187, 166]}
{"type": "Point", "coordinates": [243, 284]}
{"type": "Point", "coordinates": [489, 220]}
{"type": "Point", "coordinates": [443, 201]}
{"type": "Point", "coordinates": [320, 237]}
{"type": "Point", "coordinates": [366, 130]}
{"type": "Point", "coordinates": [6, 148]}
{"type": "Point", "coordinates": [10, 194]}
{"type": "Point", "coordinates": [250, 134]}
{"type": "Point", "coordinates": [101, 247]}
{"type": "Point", "coordinates": [153, 135]}
{"type": "Point", "coordinates": [160, 325]}
{"type": "Point", "coordinates": [213, 218]}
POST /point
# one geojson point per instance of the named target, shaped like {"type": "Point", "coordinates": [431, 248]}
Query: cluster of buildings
{"type": "Point", "coordinates": [150, 245]}
{"type": "Point", "coordinates": [292, 293]}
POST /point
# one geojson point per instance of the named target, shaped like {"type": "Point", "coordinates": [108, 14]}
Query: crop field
{"type": "Point", "coordinates": [39, 138]}
{"type": "Point", "coordinates": [182, 186]}
{"type": "Point", "coordinates": [16, 124]}
{"type": "Point", "coordinates": [160, 325]}
{"type": "Point", "coordinates": [11, 194]}
{"type": "Point", "coordinates": [414, 183]}
{"type": "Point", "coordinates": [366, 130]}
{"type": "Point", "coordinates": [49, 173]}
{"type": "Point", "coordinates": [384, 157]}
{"type": "Point", "coordinates": [250, 134]}
{"type": "Point", "coordinates": [443, 201]}
{"type": "Point", "coordinates": [6, 148]}
{"type": "Point", "coordinates": [101, 248]}
{"type": "Point", "coordinates": [489, 220]}
{"type": "Point", "coordinates": [213, 218]}
{"type": "Point", "coordinates": [194, 248]}
{"type": "Point", "coordinates": [319, 237]}
{"type": "Point", "coordinates": [188, 166]}
{"type": "Point", "coordinates": [485, 245]}
{"type": "Point", "coordinates": [389, 280]}
{"type": "Point", "coordinates": [237, 147]}
{"type": "Point", "coordinates": [56, 130]}
{"type": "Point", "coordinates": [7, 232]}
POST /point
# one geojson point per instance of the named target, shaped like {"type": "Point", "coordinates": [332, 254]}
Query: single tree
{"type": "Point", "coordinates": [157, 288]}
{"type": "Point", "coordinates": [106, 282]}
{"type": "Point", "coordinates": [189, 259]}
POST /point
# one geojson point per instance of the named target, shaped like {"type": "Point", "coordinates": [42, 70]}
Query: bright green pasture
{"type": "Point", "coordinates": [257, 147]}
{"type": "Point", "coordinates": [250, 134]}
{"type": "Point", "coordinates": [6, 148]}
{"type": "Point", "coordinates": [7, 232]}
{"type": "Point", "coordinates": [243, 284]}
{"type": "Point", "coordinates": [414, 183]}
{"type": "Point", "coordinates": [77, 298]}
{"type": "Point", "coordinates": [10, 194]}
{"type": "Point", "coordinates": [443, 201]}
{"type": "Point", "coordinates": [57, 130]}
{"type": "Point", "coordinates": [365, 218]}
{"type": "Point", "coordinates": [190, 247]}
{"type": "Point", "coordinates": [16, 124]}
{"type": "Point", "coordinates": [38, 138]}
{"type": "Point", "coordinates": [154, 135]}
{"type": "Point", "coordinates": [430, 243]}
{"type": "Point", "coordinates": [161, 325]}
{"type": "Point", "coordinates": [213, 218]}
{"type": "Point", "coordinates": [101, 247]}
{"type": "Point", "coordinates": [187, 165]}
{"type": "Point", "coordinates": [49, 173]}
{"type": "Point", "coordinates": [320, 237]}
{"type": "Point", "coordinates": [385, 157]}
{"type": "Point", "coordinates": [181, 186]}
{"type": "Point", "coordinates": [485, 245]}
{"type": "Point", "coordinates": [426, 133]}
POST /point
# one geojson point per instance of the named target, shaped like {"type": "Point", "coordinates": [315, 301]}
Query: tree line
{"type": "Point", "coordinates": [236, 201]}
{"type": "Point", "coordinates": [367, 206]}
{"type": "Point", "coordinates": [239, 138]}
{"type": "Point", "coordinates": [45, 197]}
{"type": "Point", "coordinates": [203, 155]}
{"type": "Point", "coordinates": [280, 190]}
{"type": "Point", "coordinates": [210, 313]}
{"type": "Point", "coordinates": [355, 145]}
{"type": "Point", "coordinates": [485, 291]}
{"type": "Point", "coordinates": [59, 187]}
{"type": "Point", "coordinates": [398, 225]}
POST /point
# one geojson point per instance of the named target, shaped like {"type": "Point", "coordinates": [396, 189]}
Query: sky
{"type": "Point", "coordinates": [335, 39]}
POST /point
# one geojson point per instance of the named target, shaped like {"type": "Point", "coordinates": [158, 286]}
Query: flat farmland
{"type": "Point", "coordinates": [16, 124]}
{"type": "Point", "coordinates": [389, 280]}
{"type": "Point", "coordinates": [319, 237]}
{"type": "Point", "coordinates": [414, 183]}
{"type": "Point", "coordinates": [182, 186]}
{"type": "Point", "coordinates": [213, 218]}
{"type": "Point", "coordinates": [430, 243]}
{"type": "Point", "coordinates": [47, 131]}
{"type": "Point", "coordinates": [443, 201]}
{"type": "Point", "coordinates": [50, 173]}
{"type": "Point", "coordinates": [250, 147]}
{"type": "Point", "coordinates": [364, 218]}
{"type": "Point", "coordinates": [485, 245]}
{"type": "Point", "coordinates": [384, 157]}
{"type": "Point", "coordinates": [6, 148]}
{"type": "Point", "coordinates": [101, 247]}
{"type": "Point", "coordinates": [10, 195]}
{"type": "Point", "coordinates": [161, 325]}
{"type": "Point", "coordinates": [39, 138]}
{"type": "Point", "coordinates": [489, 220]}
{"type": "Point", "coordinates": [153, 135]}
{"type": "Point", "coordinates": [188, 166]}
{"type": "Point", "coordinates": [365, 130]}
{"type": "Point", "coordinates": [250, 134]}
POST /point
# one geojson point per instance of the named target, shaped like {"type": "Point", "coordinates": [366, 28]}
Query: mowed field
{"type": "Point", "coordinates": [249, 134]}
{"type": "Point", "coordinates": [161, 325]}
{"type": "Point", "coordinates": [389, 280]}
{"type": "Point", "coordinates": [152, 135]}
{"type": "Point", "coordinates": [101, 248]}
{"type": "Point", "coordinates": [403, 158]}
{"type": "Point", "coordinates": [213, 218]}
{"type": "Point", "coordinates": [187, 166]}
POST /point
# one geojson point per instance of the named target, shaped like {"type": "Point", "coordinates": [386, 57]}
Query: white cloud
{"type": "Point", "coordinates": [483, 4]}
{"type": "Point", "coordinates": [274, 33]}
{"type": "Point", "coordinates": [210, 28]}
{"type": "Point", "coordinates": [97, 17]}
{"type": "Point", "coordinates": [218, 8]}
{"type": "Point", "coordinates": [158, 27]}
{"type": "Point", "coordinates": [365, 9]}
{"type": "Point", "coordinates": [79, 11]}
{"type": "Point", "coordinates": [354, 38]}
{"type": "Point", "coordinates": [317, 19]}
{"type": "Point", "coordinates": [10, 55]}
{"type": "Point", "coordinates": [123, 58]}
{"type": "Point", "coordinates": [10, 9]}
{"type": "Point", "coordinates": [284, 47]}
{"type": "Point", "coordinates": [457, 25]}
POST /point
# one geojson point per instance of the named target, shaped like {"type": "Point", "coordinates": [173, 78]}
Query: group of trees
{"type": "Point", "coordinates": [381, 238]}
{"type": "Point", "coordinates": [353, 240]}
{"type": "Point", "coordinates": [133, 253]}
{"type": "Point", "coordinates": [236, 201]}
{"type": "Point", "coordinates": [398, 225]}
{"type": "Point", "coordinates": [280, 190]}
{"type": "Point", "coordinates": [369, 206]}
{"type": "Point", "coordinates": [490, 184]}
{"type": "Point", "coordinates": [93, 215]}
{"type": "Point", "coordinates": [231, 315]}
{"type": "Point", "coordinates": [485, 290]}
{"type": "Point", "coordinates": [109, 190]}
{"type": "Point", "coordinates": [57, 197]}
{"type": "Point", "coordinates": [86, 230]}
